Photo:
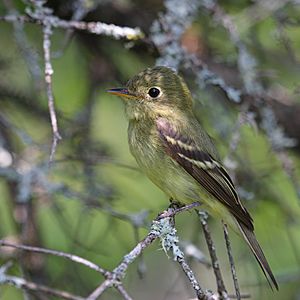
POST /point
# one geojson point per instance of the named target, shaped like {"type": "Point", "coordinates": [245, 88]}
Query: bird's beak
{"type": "Point", "coordinates": [122, 92]}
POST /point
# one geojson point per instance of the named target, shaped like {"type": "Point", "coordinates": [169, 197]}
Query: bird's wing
{"type": "Point", "coordinates": [214, 178]}
{"type": "Point", "coordinates": [204, 168]}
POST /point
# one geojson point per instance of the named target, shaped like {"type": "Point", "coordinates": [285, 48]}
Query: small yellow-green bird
{"type": "Point", "coordinates": [174, 151]}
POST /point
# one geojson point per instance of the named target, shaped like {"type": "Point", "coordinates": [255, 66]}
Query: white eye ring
{"type": "Point", "coordinates": [154, 92]}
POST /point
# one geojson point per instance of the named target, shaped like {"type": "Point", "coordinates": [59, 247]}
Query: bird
{"type": "Point", "coordinates": [175, 152]}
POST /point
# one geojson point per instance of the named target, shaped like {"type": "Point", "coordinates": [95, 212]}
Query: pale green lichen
{"type": "Point", "coordinates": [167, 234]}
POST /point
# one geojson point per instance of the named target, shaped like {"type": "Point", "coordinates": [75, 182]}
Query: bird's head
{"type": "Point", "coordinates": [154, 92]}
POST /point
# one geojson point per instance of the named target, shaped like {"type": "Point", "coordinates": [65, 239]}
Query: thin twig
{"type": "Point", "coordinates": [98, 28]}
{"type": "Point", "coordinates": [192, 251]}
{"type": "Point", "coordinates": [123, 292]}
{"type": "Point", "coordinates": [69, 256]}
{"type": "Point", "coordinates": [22, 283]}
{"type": "Point", "coordinates": [119, 272]}
{"type": "Point", "coordinates": [47, 32]}
{"type": "Point", "coordinates": [100, 290]}
{"type": "Point", "coordinates": [231, 261]}
{"type": "Point", "coordinates": [133, 254]}
{"type": "Point", "coordinates": [243, 296]}
{"type": "Point", "coordinates": [212, 251]}
{"type": "Point", "coordinates": [104, 286]}
{"type": "Point", "coordinates": [190, 274]}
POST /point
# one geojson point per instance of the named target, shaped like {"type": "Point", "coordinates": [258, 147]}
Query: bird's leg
{"type": "Point", "coordinates": [171, 211]}
{"type": "Point", "coordinates": [175, 204]}
{"type": "Point", "coordinates": [173, 207]}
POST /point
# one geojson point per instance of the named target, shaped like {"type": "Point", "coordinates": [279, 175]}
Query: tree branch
{"type": "Point", "coordinates": [22, 283]}
{"type": "Point", "coordinates": [98, 28]}
{"type": "Point", "coordinates": [212, 251]}
{"type": "Point", "coordinates": [231, 261]}
{"type": "Point", "coordinates": [68, 256]}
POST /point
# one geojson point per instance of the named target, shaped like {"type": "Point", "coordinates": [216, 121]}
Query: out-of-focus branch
{"type": "Point", "coordinates": [120, 288]}
{"type": "Point", "coordinates": [24, 284]}
{"type": "Point", "coordinates": [31, 57]}
{"type": "Point", "coordinates": [100, 289]}
{"type": "Point", "coordinates": [231, 261]}
{"type": "Point", "coordinates": [47, 31]}
{"type": "Point", "coordinates": [98, 28]}
{"type": "Point", "coordinates": [213, 255]}
{"type": "Point", "coordinates": [190, 275]}
{"type": "Point", "coordinates": [261, 10]}
{"type": "Point", "coordinates": [69, 256]}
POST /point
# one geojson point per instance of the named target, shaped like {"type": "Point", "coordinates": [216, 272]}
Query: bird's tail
{"type": "Point", "coordinates": [258, 253]}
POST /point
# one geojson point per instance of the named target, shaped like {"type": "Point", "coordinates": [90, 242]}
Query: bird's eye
{"type": "Point", "coordinates": [154, 92]}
